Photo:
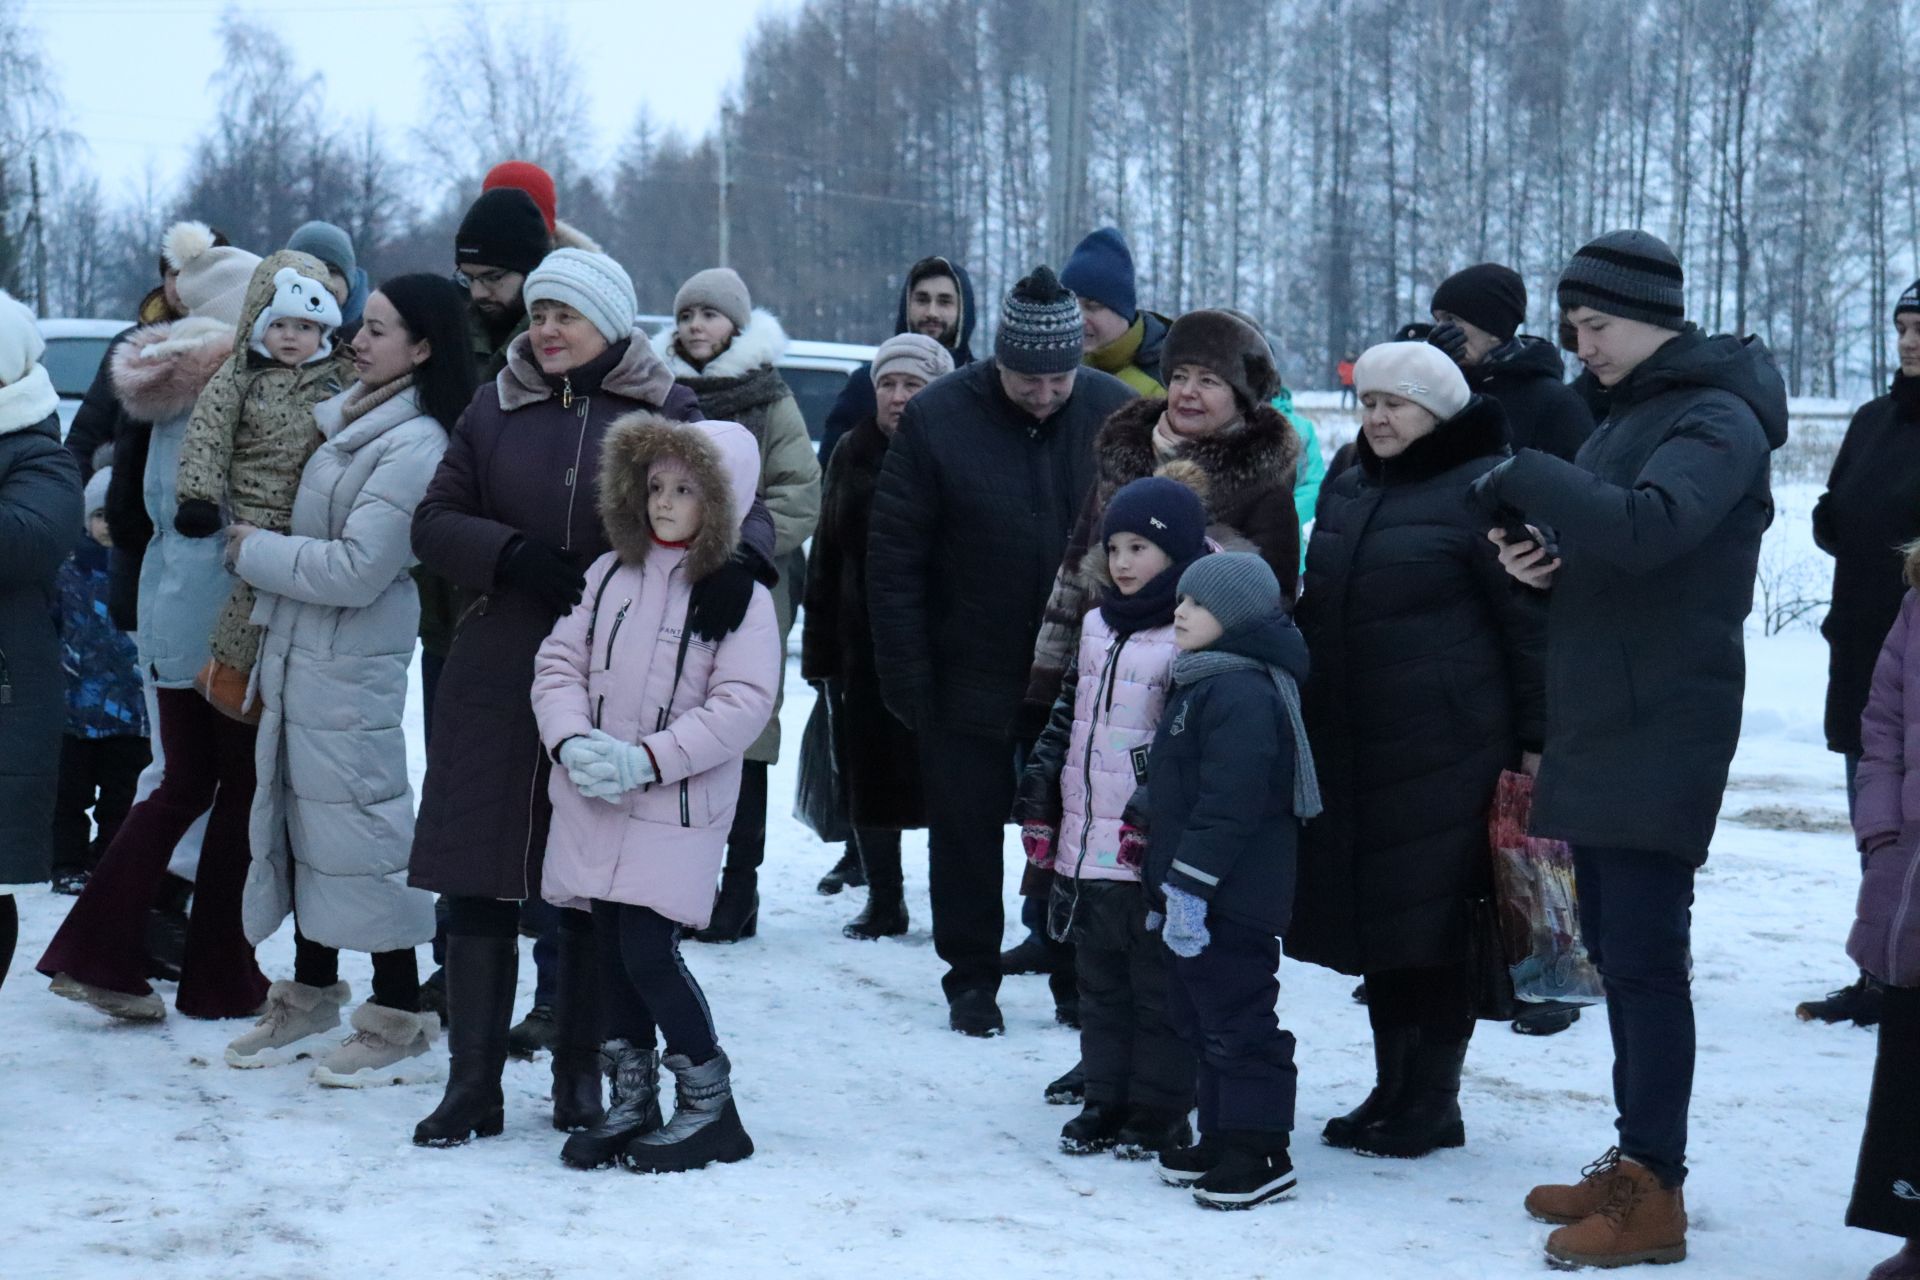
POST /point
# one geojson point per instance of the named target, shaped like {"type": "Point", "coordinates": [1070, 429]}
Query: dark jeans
{"type": "Point", "coordinates": [1438, 1000]}
{"type": "Point", "coordinates": [396, 974]}
{"type": "Point", "coordinates": [542, 919]}
{"type": "Point", "coordinates": [645, 988]}
{"type": "Point", "coordinates": [9, 933]}
{"type": "Point", "coordinates": [1128, 1047]}
{"type": "Point", "coordinates": [1222, 1002]}
{"type": "Point", "coordinates": [103, 941]}
{"type": "Point", "coordinates": [1850, 762]}
{"type": "Point", "coordinates": [1636, 916]}
{"type": "Point", "coordinates": [97, 775]}
{"type": "Point", "coordinates": [1890, 1150]}
{"type": "Point", "coordinates": [747, 840]}
{"type": "Point", "coordinates": [482, 917]}
{"type": "Point", "coordinates": [969, 790]}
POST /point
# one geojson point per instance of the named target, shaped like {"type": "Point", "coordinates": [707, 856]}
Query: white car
{"type": "Point", "coordinates": [75, 349]}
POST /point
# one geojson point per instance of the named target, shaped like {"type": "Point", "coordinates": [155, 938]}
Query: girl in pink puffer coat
{"type": "Point", "coordinates": [648, 695]}
{"type": "Point", "coordinates": [1073, 798]}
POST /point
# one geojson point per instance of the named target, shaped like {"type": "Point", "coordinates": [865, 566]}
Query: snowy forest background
{"type": "Point", "coordinates": [1320, 163]}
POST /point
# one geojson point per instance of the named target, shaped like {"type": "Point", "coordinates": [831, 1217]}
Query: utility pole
{"type": "Point", "coordinates": [726, 143]}
{"type": "Point", "coordinates": [1067, 132]}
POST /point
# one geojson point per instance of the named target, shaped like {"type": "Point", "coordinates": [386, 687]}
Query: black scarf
{"type": "Point", "coordinates": [1149, 607]}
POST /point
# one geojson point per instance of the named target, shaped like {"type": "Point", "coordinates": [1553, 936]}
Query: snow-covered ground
{"type": "Point", "coordinates": [889, 1145]}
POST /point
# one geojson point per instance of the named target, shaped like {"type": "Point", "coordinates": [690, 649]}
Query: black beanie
{"type": "Point", "coordinates": [1630, 274]}
{"type": "Point", "coordinates": [504, 228]}
{"type": "Point", "coordinates": [1910, 300]}
{"type": "Point", "coordinates": [1488, 296]}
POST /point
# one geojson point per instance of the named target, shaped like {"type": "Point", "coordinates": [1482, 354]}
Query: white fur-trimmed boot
{"type": "Point", "coordinates": [388, 1046]}
{"type": "Point", "coordinates": [294, 1012]}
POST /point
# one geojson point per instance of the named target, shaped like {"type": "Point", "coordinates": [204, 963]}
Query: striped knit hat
{"type": "Point", "coordinates": [1040, 332]}
{"type": "Point", "coordinates": [1630, 274]}
{"type": "Point", "coordinates": [1910, 300]}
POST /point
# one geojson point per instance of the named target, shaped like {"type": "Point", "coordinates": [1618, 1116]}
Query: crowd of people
{"type": "Point", "coordinates": [1098, 582]}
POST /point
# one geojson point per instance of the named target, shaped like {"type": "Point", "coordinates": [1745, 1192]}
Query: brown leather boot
{"type": "Point", "coordinates": [1561, 1204]}
{"type": "Point", "coordinates": [1641, 1221]}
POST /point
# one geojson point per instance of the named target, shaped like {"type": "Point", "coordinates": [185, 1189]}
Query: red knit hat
{"type": "Point", "coordinates": [524, 175]}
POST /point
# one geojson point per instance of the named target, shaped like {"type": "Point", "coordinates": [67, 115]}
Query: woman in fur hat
{"type": "Point", "coordinates": [1428, 682]}
{"type": "Point", "coordinates": [648, 694]}
{"type": "Point", "coordinates": [723, 349]}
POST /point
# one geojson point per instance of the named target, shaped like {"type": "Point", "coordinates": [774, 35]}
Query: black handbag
{"type": "Point", "coordinates": [820, 796]}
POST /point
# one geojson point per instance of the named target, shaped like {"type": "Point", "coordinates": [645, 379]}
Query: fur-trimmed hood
{"type": "Point", "coordinates": [1222, 469]}
{"type": "Point", "coordinates": [639, 375]}
{"type": "Point", "coordinates": [758, 346]}
{"type": "Point", "coordinates": [724, 460]}
{"type": "Point", "coordinates": [161, 369]}
{"type": "Point", "coordinates": [568, 236]}
{"type": "Point", "coordinates": [1477, 431]}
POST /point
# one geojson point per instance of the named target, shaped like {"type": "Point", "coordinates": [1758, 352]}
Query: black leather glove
{"type": "Point", "coordinates": [554, 578]}
{"type": "Point", "coordinates": [1450, 338]}
{"type": "Point", "coordinates": [198, 518]}
{"type": "Point", "coordinates": [720, 600]}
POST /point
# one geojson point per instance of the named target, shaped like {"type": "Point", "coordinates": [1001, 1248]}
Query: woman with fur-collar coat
{"type": "Point", "coordinates": [724, 350]}
{"type": "Point", "coordinates": [1238, 453]}
{"type": "Point", "coordinates": [99, 954]}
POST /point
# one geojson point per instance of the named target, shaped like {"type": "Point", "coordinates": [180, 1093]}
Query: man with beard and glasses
{"type": "Point", "coordinates": [503, 237]}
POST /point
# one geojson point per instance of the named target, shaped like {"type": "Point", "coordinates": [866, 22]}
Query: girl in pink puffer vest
{"type": "Point", "coordinates": [1072, 805]}
{"type": "Point", "coordinates": [648, 695]}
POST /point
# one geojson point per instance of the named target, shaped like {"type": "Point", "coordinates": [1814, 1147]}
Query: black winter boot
{"type": "Point", "coordinates": [1254, 1168]}
{"type": "Point", "coordinates": [167, 928]}
{"type": "Point", "coordinates": [1094, 1130]}
{"type": "Point", "coordinates": [1858, 1003]}
{"type": "Point", "coordinates": [736, 913]}
{"type": "Point", "coordinates": [1548, 1018]}
{"type": "Point", "coordinates": [1070, 1089]}
{"type": "Point", "coordinates": [635, 1073]}
{"type": "Point", "coordinates": [1392, 1052]}
{"type": "Point", "coordinates": [532, 1033]}
{"type": "Point", "coordinates": [1427, 1115]}
{"type": "Point", "coordinates": [1184, 1166]}
{"type": "Point", "coordinates": [1030, 956]}
{"type": "Point", "coordinates": [976, 1013]}
{"type": "Point", "coordinates": [846, 874]}
{"type": "Point", "coordinates": [1149, 1131]}
{"type": "Point", "coordinates": [705, 1128]}
{"type": "Point", "coordinates": [576, 1034]}
{"type": "Point", "coordinates": [481, 973]}
{"type": "Point", "coordinates": [885, 915]}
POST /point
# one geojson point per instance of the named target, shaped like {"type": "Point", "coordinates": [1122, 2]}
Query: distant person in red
{"type": "Point", "coordinates": [1345, 370]}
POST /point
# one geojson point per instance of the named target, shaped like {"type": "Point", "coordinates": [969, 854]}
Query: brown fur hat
{"type": "Point", "coordinates": [1224, 344]}
{"type": "Point", "coordinates": [724, 462]}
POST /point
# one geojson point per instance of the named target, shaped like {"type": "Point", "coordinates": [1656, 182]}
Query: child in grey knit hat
{"type": "Point", "coordinates": [1231, 780]}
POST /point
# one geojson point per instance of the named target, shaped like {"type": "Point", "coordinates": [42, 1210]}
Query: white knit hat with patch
{"type": "Point", "coordinates": [1413, 371]}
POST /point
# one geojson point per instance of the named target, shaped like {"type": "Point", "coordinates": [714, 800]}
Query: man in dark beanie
{"type": "Point", "coordinates": [1657, 524]}
{"type": "Point", "coordinates": [1119, 337]}
{"type": "Point", "coordinates": [1477, 316]}
{"type": "Point", "coordinates": [978, 494]}
{"type": "Point", "coordinates": [503, 238]}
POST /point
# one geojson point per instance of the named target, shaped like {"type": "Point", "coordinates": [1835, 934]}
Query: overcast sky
{"type": "Point", "coordinates": [134, 73]}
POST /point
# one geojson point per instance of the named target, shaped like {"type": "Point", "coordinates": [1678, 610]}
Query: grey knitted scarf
{"type": "Point", "coordinates": [1191, 668]}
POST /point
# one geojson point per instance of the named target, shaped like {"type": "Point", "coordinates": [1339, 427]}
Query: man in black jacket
{"type": "Point", "coordinates": [977, 497]}
{"type": "Point", "coordinates": [936, 300]}
{"type": "Point", "coordinates": [1477, 314]}
{"type": "Point", "coordinates": [1658, 523]}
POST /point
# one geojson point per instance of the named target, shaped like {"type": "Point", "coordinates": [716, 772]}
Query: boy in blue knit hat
{"type": "Point", "coordinates": [1119, 337]}
{"type": "Point", "coordinates": [1231, 781]}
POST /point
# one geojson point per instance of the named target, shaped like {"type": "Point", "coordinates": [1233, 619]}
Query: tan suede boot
{"type": "Point", "coordinates": [1641, 1221]}
{"type": "Point", "coordinates": [1561, 1204]}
